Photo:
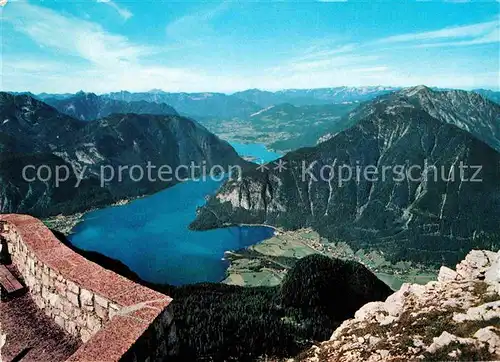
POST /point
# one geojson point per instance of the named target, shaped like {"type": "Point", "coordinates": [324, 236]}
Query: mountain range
{"type": "Point", "coordinates": [33, 133]}
{"type": "Point", "coordinates": [89, 106]}
{"type": "Point", "coordinates": [300, 126]}
{"type": "Point", "coordinates": [489, 94]}
{"type": "Point", "coordinates": [318, 96]}
{"type": "Point", "coordinates": [285, 127]}
{"type": "Point", "coordinates": [314, 96]}
{"type": "Point", "coordinates": [256, 116]}
{"type": "Point", "coordinates": [196, 105]}
{"type": "Point", "coordinates": [434, 219]}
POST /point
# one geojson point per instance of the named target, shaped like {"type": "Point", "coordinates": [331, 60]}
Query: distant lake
{"type": "Point", "coordinates": [258, 151]}
{"type": "Point", "coordinates": [151, 235]}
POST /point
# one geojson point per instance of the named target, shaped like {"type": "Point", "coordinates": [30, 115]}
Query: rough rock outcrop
{"type": "Point", "coordinates": [456, 317]}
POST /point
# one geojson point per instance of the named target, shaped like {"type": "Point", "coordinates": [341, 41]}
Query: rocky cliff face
{"type": "Point", "coordinates": [421, 208]}
{"type": "Point", "coordinates": [89, 106]}
{"type": "Point", "coordinates": [37, 135]}
{"type": "Point", "coordinates": [454, 318]}
{"type": "Point", "coordinates": [466, 110]}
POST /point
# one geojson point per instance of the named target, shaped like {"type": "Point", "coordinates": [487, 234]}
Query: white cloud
{"type": "Point", "coordinates": [480, 33]}
{"type": "Point", "coordinates": [102, 61]}
{"type": "Point", "coordinates": [329, 62]}
{"type": "Point", "coordinates": [370, 69]}
{"type": "Point", "coordinates": [362, 64]}
{"type": "Point", "coordinates": [24, 64]}
{"type": "Point", "coordinates": [367, 64]}
{"type": "Point", "coordinates": [105, 61]}
{"type": "Point", "coordinates": [324, 52]}
{"type": "Point", "coordinates": [51, 77]}
{"type": "Point", "coordinates": [489, 38]}
{"type": "Point", "coordinates": [194, 28]}
{"type": "Point", "coordinates": [122, 11]}
{"type": "Point", "coordinates": [134, 77]}
{"type": "Point", "coordinates": [74, 36]}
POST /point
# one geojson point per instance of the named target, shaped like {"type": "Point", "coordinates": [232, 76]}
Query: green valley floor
{"type": "Point", "coordinates": [266, 263]}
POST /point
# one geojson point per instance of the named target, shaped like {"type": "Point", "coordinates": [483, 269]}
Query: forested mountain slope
{"type": "Point", "coordinates": [400, 210]}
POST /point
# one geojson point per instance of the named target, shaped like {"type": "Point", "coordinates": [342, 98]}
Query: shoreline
{"type": "Point", "coordinates": [266, 263]}
{"type": "Point", "coordinates": [66, 223]}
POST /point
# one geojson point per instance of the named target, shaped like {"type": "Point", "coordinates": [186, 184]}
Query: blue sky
{"type": "Point", "coordinates": [109, 45]}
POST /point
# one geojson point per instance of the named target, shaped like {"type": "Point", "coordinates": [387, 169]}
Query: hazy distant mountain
{"type": "Point", "coordinates": [434, 219]}
{"type": "Point", "coordinates": [196, 105]}
{"type": "Point", "coordinates": [488, 93]}
{"type": "Point", "coordinates": [283, 127]}
{"type": "Point", "coordinates": [300, 97]}
{"type": "Point", "coordinates": [294, 127]}
{"type": "Point", "coordinates": [34, 133]}
{"type": "Point", "coordinates": [43, 96]}
{"type": "Point", "coordinates": [89, 106]}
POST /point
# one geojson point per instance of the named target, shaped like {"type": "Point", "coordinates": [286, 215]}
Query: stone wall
{"type": "Point", "coordinates": [115, 318]}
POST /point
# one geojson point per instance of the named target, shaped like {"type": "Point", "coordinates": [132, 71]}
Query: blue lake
{"type": "Point", "coordinates": [151, 235]}
{"type": "Point", "coordinates": [259, 151]}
